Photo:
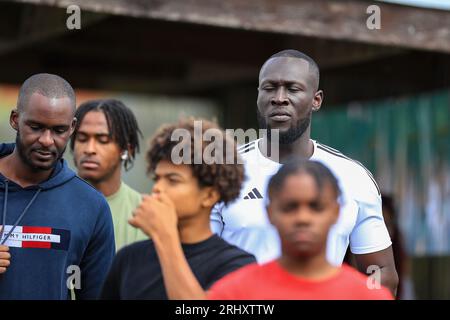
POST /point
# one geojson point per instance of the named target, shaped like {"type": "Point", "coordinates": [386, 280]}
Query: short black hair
{"type": "Point", "coordinates": [291, 53]}
{"type": "Point", "coordinates": [122, 125]}
{"type": "Point", "coordinates": [48, 85]}
{"type": "Point", "coordinates": [317, 170]}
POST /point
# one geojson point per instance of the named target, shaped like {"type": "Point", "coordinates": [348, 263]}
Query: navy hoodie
{"type": "Point", "coordinates": [67, 226]}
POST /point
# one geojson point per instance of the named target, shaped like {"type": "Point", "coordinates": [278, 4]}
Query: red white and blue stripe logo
{"type": "Point", "coordinates": [37, 237]}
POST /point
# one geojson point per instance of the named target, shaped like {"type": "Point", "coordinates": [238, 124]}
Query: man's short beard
{"type": "Point", "coordinates": [289, 136]}
{"type": "Point", "coordinates": [23, 156]}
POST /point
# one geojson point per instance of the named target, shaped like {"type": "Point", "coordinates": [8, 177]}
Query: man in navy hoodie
{"type": "Point", "coordinates": [55, 228]}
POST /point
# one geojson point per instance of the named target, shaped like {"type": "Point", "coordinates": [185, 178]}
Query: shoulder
{"type": "Point", "coordinates": [360, 285]}
{"type": "Point", "coordinates": [245, 148]}
{"type": "Point", "coordinates": [6, 148]}
{"type": "Point", "coordinates": [85, 189]}
{"type": "Point", "coordinates": [85, 197]}
{"type": "Point", "coordinates": [238, 277]}
{"type": "Point", "coordinates": [135, 249]}
{"type": "Point", "coordinates": [139, 246]}
{"type": "Point", "coordinates": [227, 251]}
{"type": "Point", "coordinates": [257, 166]}
{"type": "Point", "coordinates": [351, 173]}
{"type": "Point", "coordinates": [225, 257]}
{"type": "Point", "coordinates": [350, 274]}
{"type": "Point", "coordinates": [229, 248]}
{"type": "Point", "coordinates": [133, 195]}
{"type": "Point", "coordinates": [248, 150]}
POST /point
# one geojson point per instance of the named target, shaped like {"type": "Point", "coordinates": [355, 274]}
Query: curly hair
{"type": "Point", "coordinates": [227, 177]}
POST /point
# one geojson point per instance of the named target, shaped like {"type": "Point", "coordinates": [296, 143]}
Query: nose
{"type": "Point", "coordinates": [46, 139]}
{"type": "Point", "coordinates": [303, 216]}
{"type": "Point", "coordinates": [90, 147]}
{"type": "Point", "coordinates": [280, 97]}
{"type": "Point", "coordinates": [158, 187]}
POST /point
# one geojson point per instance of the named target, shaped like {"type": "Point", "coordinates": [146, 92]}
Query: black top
{"type": "Point", "coordinates": [136, 272]}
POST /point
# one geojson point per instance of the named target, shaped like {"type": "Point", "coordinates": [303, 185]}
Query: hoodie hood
{"type": "Point", "coordinates": [60, 175]}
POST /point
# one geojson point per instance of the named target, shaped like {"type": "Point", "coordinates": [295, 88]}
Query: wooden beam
{"type": "Point", "coordinates": [200, 47]}
{"type": "Point", "coordinates": [401, 26]}
{"type": "Point", "coordinates": [38, 24]}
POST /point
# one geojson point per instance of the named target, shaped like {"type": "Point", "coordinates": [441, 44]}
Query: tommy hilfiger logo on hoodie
{"type": "Point", "coordinates": [254, 194]}
{"type": "Point", "coordinates": [37, 237]}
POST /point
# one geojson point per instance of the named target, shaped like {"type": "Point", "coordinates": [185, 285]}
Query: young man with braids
{"type": "Point", "coordinates": [183, 257]}
{"type": "Point", "coordinates": [303, 205]}
{"type": "Point", "coordinates": [105, 138]}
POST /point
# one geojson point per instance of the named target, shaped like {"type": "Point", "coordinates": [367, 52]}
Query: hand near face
{"type": "Point", "coordinates": [156, 216]}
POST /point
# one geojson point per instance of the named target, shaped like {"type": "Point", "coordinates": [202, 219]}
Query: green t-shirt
{"type": "Point", "coordinates": [122, 203]}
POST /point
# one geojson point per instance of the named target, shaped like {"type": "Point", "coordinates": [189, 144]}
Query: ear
{"type": "Point", "coordinates": [210, 197]}
{"type": "Point", "coordinates": [130, 149]}
{"type": "Point", "coordinates": [270, 213]}
{"type": "Point", "coordinates": [14, 119]}
{"type": "Point", "coordinates": [317, 101]}
{"type": "Point", "coordinates": [336, 211]}
{"type": "Point", "coordinates": [73, 125]}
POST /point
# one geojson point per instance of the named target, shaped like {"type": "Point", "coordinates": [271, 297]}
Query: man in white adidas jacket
{"type": "Point", "coordinates": [288, 93]}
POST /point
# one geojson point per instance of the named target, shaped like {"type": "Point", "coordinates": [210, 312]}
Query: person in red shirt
{"type": "Point", "coordinates": [303, 205]}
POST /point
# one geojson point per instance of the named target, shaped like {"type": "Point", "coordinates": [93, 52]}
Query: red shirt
{"type": "Point", "coordinates": [271, 282]}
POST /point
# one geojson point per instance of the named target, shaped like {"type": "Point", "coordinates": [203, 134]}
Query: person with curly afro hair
{"type": "Point", "coordinates": [183, 257]}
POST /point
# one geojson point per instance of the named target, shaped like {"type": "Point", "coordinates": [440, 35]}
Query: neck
{"type": "Point", "coordinates": [195, 229]}
{"type": "Point", "coordinates": [15, 169]}
{"type": "Point", "coordinates": [303, 147]}
{"type": "Point", "coordinates": [110, 185]}
{"type": "Point", "coordinates": [313, 268]}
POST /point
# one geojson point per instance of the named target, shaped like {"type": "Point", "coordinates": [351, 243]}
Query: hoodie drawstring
{"type": "Point", "coordinates": [5, 203]}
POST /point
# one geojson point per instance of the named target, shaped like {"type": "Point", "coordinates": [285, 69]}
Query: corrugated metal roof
{"type": "Point", "coordinates": [432, 4]}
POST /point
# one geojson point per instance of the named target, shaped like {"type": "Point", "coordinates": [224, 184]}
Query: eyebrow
{"type": "Point", "coordinates": [32, 122]}
{"type": "Point", "coordinates": [317, 199]}
{"type": "Point", "coordinates": [287, 82]}
{"type": "Point", "coordinates": [170, 174]}
{"type": "Point", "coordinates": [96, 134]}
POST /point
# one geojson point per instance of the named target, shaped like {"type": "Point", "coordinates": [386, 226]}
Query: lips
{"type": "Point", "coordinates": [89, 164]}
{"type": "Point", "coordinates": [44, 155]}
{"type": "Point", "coordinates": [302, 236]}
{"type": "Point", "coordinates": [280, 116]}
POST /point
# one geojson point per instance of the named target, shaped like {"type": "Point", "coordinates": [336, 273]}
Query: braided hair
{"type": "Point", "coordinates": [122, 125]}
